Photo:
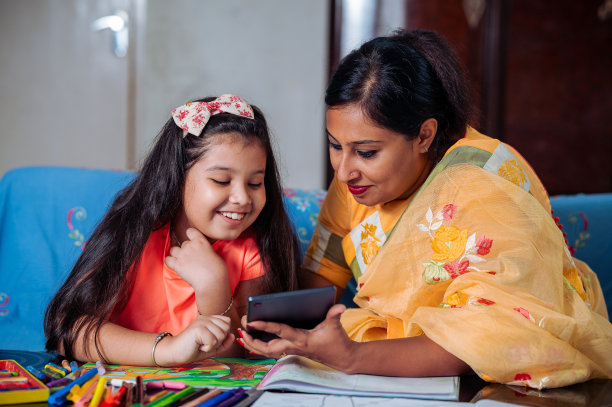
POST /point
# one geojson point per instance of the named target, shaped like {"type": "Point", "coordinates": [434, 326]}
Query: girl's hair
{"type": "Point", "coordinates": [402, 80]}
{"type": "Point", "coordinates": [100, 281]}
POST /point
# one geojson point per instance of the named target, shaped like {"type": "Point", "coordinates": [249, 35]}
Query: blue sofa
{"type": "Point", "coordinates": [47, 214]}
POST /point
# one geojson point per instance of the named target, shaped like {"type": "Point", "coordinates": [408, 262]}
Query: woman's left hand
{"type": "Point", "coordinates": [327, 343]}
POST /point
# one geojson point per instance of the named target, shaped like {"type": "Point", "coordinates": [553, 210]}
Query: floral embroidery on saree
{"type": "Point", "coordinates": [370, 244]}
{"type": "Point", "coordinates": [454, 252]}
{"type": "Point", "coordinates": [513, 172]}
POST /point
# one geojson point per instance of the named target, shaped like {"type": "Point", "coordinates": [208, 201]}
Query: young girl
{"type": "Point", "coordinates": [165, 276]}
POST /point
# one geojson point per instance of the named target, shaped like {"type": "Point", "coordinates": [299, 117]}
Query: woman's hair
{"type": "Point", "coordinates": [100, 281]}
{"type": "Point", "coordinates": [402, 80]}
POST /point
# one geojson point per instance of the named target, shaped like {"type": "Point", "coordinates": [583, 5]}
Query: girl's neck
{"type": "Point", "coordinates": [178, 232]}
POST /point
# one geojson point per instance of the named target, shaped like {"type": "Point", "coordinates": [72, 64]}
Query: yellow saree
{"type": "Point", "coordinates": [476, 262]}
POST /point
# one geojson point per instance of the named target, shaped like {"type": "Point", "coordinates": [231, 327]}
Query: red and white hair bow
{"type": "Point", "coordinates": [193, 116]}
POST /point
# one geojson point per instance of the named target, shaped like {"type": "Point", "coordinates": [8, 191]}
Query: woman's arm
{"type": "Point", "coordinates": [308, 279]}
{"type": "Point", "coordinates": [205, 337]}
{"type": "Point", "coordinates": [328, 343]}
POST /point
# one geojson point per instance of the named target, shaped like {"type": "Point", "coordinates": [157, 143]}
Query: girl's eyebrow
{"type": "Point", "coordinates": [358, 142]}
{"type": "Point", "coordinates": [219, 168]}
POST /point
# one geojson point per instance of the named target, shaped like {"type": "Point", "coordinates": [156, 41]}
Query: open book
{"type": "Point", "coordinates": [296, 373]}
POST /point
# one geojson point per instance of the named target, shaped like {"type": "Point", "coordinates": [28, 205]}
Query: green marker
{"type": "Point", "coordinates": [172, 397]}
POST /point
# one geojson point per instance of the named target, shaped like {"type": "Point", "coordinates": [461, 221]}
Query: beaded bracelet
{"type": "Point", "coordinates": [159, 338]}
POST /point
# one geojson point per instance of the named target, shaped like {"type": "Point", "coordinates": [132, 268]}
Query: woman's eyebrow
{"type": "Point", "coordinates": [358, 142]}
{"type": "Point", "coordinates": [365, 142]}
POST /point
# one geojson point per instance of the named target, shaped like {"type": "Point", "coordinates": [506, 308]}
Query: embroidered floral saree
{"type": "Point", "coordinates": [476, 262]}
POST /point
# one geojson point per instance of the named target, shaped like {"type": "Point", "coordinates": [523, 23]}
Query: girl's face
{"type": "Point", "coordinates": [224, 190]}
{"type": "Point", "coordinates": [377, 164]}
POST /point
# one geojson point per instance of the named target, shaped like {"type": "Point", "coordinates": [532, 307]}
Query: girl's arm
{"type": "Point", "coordinates": [205, 337]}
{"type": "Point", "coordinates": [328, 343]}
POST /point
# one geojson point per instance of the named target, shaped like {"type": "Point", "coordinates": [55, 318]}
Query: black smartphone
{"type": "Point", "coordinates": [300, 309]}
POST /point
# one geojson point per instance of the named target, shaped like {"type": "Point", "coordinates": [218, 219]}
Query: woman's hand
{"type": "Point", "coordinates": [205, 337]}
{"type": "Point", "coordinates": [327, 343]}
{"type": "Point", "coordinates": [198, 264]}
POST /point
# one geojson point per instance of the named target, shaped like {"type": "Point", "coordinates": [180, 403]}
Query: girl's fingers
{"type": "Point", "coordinates": [220, 321]}
{"type": "Point", "coordinates": [170, 262]}
{"type": "Point", "coordinates": [214, 330]}
{"type": "Point", "coordinates": [222, 346]}
{"type": "Point", "coordinates": [193, 233]}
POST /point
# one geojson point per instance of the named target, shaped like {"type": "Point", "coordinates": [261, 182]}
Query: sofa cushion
{"type": "Point", "coordinates": [46, 216]}
{"type": "Point", "coordinates": [587, 221]}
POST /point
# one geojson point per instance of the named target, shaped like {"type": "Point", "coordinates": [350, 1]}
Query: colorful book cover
{"type": "Point", "coordinates": [215, 372]}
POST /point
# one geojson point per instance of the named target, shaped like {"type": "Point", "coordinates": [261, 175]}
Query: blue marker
{"type": "Point", "coordinates": [238, 395]}
{"type": "Point", "coordinates": [39, 375]}
{"type": "Point", "coordinates": [217, 399]}
{"type": "Point", "coordinates": [59, 397]}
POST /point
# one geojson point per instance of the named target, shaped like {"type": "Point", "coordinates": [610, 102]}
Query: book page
{"type": "Point", "coordinates": [301, 374]}
{"type": "Point", "coordinates": [270, 399]}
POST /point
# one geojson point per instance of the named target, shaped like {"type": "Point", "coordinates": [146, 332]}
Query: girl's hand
{"type": "Point", "coordinates": [198, 264]}
{"type": "Point", "coordinates": [205, 337]}
{"type": "Point", "coordinates": [327, 343]}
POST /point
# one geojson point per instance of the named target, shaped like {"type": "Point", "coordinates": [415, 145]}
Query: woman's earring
{"type": "Point", "coordinates": [426, 148]}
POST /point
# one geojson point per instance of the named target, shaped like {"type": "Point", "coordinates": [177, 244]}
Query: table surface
{"type": "Point", "coordinates": [594, 393]}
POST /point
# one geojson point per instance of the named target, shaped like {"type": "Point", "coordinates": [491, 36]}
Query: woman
{"type": "Point", "coordinates": [458, 261]}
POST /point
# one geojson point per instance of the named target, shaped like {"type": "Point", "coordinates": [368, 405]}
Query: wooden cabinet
{"type": "Point", "coordinates": [542, 75]}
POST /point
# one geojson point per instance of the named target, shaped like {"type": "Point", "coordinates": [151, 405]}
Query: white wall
{"type": "Point", "coordinates": [65, 99]}
{"type": "Point", "coordinates": [271, 52]}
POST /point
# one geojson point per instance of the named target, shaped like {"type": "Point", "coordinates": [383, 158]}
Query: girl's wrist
{"type": "Point", "coordinates": [159, 351]}
{"type": "Point", "coordinates": [214, 305]}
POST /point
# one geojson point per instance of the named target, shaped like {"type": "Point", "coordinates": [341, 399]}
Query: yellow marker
{"type": "Point", "coordinates": [77, 391]}
{"type": "Point", "coordinates": [157, 396]}
{"type": "Point", "coordinates": [98, 393]}
{"type": "Point", "coordinates": [55, 369]}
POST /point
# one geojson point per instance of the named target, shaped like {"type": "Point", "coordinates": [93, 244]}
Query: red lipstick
{"type": "Point", "coordinates": [357, 190]}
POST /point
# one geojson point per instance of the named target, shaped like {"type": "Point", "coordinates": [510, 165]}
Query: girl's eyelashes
{"type": "Point", "coordinates": [253, 185]}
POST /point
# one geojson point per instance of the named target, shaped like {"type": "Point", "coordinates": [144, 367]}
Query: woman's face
{"type": "Point", "coordinates": [377, 164]}
{"type": "Point", "coordinates": [224, 190]}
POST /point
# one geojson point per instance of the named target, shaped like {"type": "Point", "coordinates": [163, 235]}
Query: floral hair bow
{"type": "Point", "coordinates": [193, 116]}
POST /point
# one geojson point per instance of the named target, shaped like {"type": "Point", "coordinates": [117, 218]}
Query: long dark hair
{"type": "Point", "coordinates": [402, 80]}
{"type": "Point", "coordinates": [100, 281]}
